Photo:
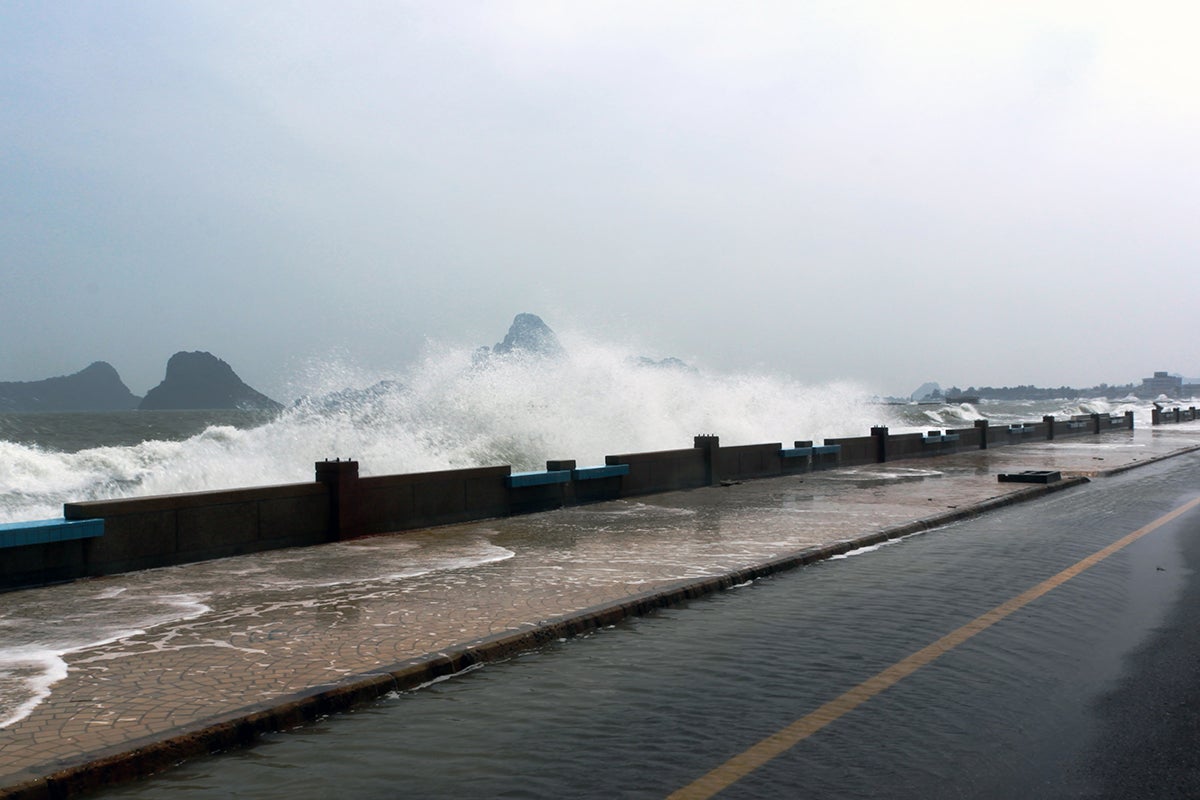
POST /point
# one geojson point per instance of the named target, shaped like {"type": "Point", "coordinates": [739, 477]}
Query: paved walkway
{"type": "Point", "coordinates": [209, 655]}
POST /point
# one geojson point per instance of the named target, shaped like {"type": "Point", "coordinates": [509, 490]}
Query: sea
{"type": "Point", "coordinates": [448, 411]}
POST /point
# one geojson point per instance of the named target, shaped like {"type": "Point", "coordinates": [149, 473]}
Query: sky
{"type": "Point", "coordinates": [886, 193]}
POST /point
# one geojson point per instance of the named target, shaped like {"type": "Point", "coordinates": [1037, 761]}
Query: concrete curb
{"type": "Point", "coordinates": [1107, 473]}
{"type": "Point", "coordinates": [243, 727]}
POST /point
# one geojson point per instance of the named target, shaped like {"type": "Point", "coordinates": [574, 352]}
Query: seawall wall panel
{"type": "Point", "coordinates": [856, 450]}
{"type": "Point", "coordinates": [750, 461]}
{"type": "Point", "coordinates": [662, 471]}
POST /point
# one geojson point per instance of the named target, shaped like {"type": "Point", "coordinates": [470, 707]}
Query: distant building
{"type": "Point", "coordinates": [1161, 383]}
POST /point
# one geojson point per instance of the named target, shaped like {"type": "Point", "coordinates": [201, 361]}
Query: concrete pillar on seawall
{"type": "Point", "coordinates": [711, 445]}
{"type": "Point", "coordinates": [342, 479]}
{"type": "Point", "coordinates": [880, 432]}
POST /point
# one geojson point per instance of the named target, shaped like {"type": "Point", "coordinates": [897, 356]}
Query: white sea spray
{"type": "Point", "coordinates": [446, 412]}
{"type": "Point", "coordinates": [451, 409]}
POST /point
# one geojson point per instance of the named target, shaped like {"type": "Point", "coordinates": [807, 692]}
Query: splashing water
{"type": "Point", "coordinates": [963, 415]}
{"type": "Point", "coordinates": [450, 411]}
{"type": "Point", "coordinates": [447, 412]}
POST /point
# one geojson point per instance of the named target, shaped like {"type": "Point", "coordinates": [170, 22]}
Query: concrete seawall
{"type": "Point", "coordinates": [1166, 416]}
{"type": "Point", "coordinates": [165, 530]}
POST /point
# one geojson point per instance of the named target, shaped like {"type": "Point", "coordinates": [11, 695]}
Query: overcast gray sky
{"type": "Point", "coordinates": [973, 193]}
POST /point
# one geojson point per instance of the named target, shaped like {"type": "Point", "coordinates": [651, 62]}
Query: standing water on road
{"type": "Point", "coordinates": [163, 608]}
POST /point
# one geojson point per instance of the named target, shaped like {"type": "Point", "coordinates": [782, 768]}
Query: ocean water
{"type": "Point", "coordinates": [446, 412]}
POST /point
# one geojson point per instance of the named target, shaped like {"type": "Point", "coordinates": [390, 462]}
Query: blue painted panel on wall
{"type": "Point", "coordinates": [520, 479]}
{"type": "Point", "coordinates": [45, 531]}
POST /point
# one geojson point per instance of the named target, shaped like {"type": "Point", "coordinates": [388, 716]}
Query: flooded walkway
{"type": "Point", "coordinates": [103, 678]}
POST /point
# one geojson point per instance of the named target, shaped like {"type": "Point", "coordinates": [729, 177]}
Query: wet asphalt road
{"type": "Point", "coordinates": [1092, 690]}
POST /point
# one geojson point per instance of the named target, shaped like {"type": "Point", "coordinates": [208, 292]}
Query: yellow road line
{"type": "Point", "coordinates": [779, 742]}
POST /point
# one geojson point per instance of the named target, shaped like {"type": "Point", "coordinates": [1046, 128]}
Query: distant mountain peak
{"type": "Point", "coordinates": [200, 380]}
{"type": "Point", "coordinates": [927, 391]}
{"type": "Point", "coordinates": [529, 334]}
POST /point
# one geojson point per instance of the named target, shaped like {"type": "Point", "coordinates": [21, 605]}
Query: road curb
{"type": "Point", "coordinates": [1106, 473]}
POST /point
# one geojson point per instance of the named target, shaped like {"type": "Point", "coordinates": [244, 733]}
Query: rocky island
{"type": "Point", "coordinates": [97, 387]}
{"type": "Point", "coordinates": [196, 380]}
{"type": "Point", "coordinates": [200, 380]}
